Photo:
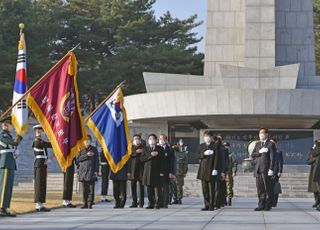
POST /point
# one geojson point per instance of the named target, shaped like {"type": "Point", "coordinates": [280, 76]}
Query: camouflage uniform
{"type": "Point", "coordinates": [232, 169]}
{"type": "Point", "coordinates": [181, 169]}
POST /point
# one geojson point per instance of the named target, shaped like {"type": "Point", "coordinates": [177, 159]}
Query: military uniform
{"type": "Point", "coordinates": [40, 170]}
{"type": "Point", "coordinates": [105, 171]}
{"type": "Point", "coordinates": [68, 178]}
{"type": "Point", "coordinates": [181, 169]}
{"type": "Point", "coordinates": [7, 168]}
{"type": "Point", "coordinates": [230, 172]}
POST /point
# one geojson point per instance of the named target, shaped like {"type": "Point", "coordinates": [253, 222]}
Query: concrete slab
{"type": "Point", "coordinates": [290, 214]}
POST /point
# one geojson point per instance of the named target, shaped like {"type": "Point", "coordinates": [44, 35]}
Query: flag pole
{"type": "Point", "coordinates": [35, 84]}
{"type": "Point", "coordinates": [104, 100]}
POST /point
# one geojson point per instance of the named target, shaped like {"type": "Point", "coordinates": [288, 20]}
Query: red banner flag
{"type": "Point", "coordinates": [55, 103]}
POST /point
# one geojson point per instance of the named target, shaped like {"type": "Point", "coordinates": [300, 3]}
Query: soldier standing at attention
{"type": "Point", "coordinates": [40, 169]}
{"type": "Point", "coordinates": [105, 171]}
{"type": "Point", "coordinates": [7, 167]}
{"type": "Point", "coordinates": [231, 172]}
{"type": "Point", "coordinates": [181, 165]}
{"type": "Point", "coordinates": [68, 178]}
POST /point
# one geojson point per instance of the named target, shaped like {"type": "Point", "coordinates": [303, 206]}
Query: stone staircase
{"type": "Point", "coordinates": [294, 183]}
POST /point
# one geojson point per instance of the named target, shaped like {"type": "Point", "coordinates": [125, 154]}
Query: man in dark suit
{"type": "Point", "coordinates": [278, 166]}
{"type": "Point", "coordinates": [264, 155]}
{"type": "Point", "coordinates": [68, 178]}
{"type": "Point", "coordinates": [208, 154]}
{"type": "Point", "coordinates": [136, 171]}
{"type": "Point", "coordinates": [168, 169]}
{"type": "Point", "coordinates": [40, 169]}
{"type": "Point", "coordinates": [153, 159]}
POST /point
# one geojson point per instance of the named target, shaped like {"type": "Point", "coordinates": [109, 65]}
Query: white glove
{"type": "Point", "coordinates": [208, 152]}
{"type": "Point", "coordinates": [314, 146]}
{"type": "Point", "coordinates": [270, 172]}
{"type": "Point", "coordinates": [263, 150]}
{"type": "Point", "coordinates": [214, 172]}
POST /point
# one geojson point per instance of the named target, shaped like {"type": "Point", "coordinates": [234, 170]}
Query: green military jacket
{"type": "Point", "coordinates": [232, 163]}
{"type": "Point", "coordinates": [181, 159]}
{"type": "Point", "coordinates": [7, 150]}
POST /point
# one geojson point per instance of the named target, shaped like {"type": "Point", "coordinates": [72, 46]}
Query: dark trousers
{"type": "Point", "coordinates": [275, 196]}
{"type": "Point", "coordinates": [6, 186]}
{"type": "Point", "coordinates": [221, 192]}
{"type": "Point", "coordinates": [165, 194]}
{"type": "Point", "coordinates": [209, 191]}
{"type": "Point", "coordinates": [105, 171]}
{"type": "Point", "coordinates": [134, 184]}
{"type": "Point", "coordinates": [154, 195]}
{"type": "Point", "coordinates": [264, 188]}
{"type": "Point", "coordinates": [88, 192]}
{"type": "Point", "coordinates": [68, 178]}
{"type": "Point", "coordinates": [40, 184]}
{"type": "Point", "coordinates": [120, 192]}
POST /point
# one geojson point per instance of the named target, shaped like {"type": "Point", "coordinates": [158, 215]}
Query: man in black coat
{"type": "Point", "coordinates": [208, 153]}
{"type": "Point", "coordinates": [88, 163]}
{"type": "Point", "coordinates": [105, 172]}
{"type": "Point", "coordinates": [264, 155]}
{"type": "Point", "coordinates": [40, 169]}
{"type": "Point", "coordinates": [168, 170]}
{"type": "Point", "coordinates": [136, 172]}
{"type": "Point", "coordinates": [222, 167]}
{"type": "Point", "coordinates": [153, 159]}
{"type": "Point", "coordinates": [119, 180]}
{"type": "Point", "coordinates": [278, 166]}
{"type": "Point", "coordinates": [315, 177]}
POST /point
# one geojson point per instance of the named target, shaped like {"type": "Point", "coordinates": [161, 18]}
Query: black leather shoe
{"type": "Point", "coordinates": [267, 208]}
{"type": "Point", "coordinates": [43, 209]}
{"type": "Point", "coordinates": [315, 205]}
{"type": "Point", "coordinates": [133, 206]}
{"type": "Point", "coordinates": [150, 207]}
{"type": "Point", "coordinates": [175, 202]}
{"type": "Point", "coordinates": [318, 209]}
{"type": "Point", "coordinates": [85, 206]}
{"type": "Point", "coordinates": [205, 209]}
{"type": "Point", "coordinates": [157, 207]}
{"type": "Point", "coordinates": [259, 209]}
{"type": "Point", "coordinates": [69, 206]}
{"type": "Point", "coordinates": [211, 208]}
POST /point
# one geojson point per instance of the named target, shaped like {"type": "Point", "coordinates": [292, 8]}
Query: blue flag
{"type": "Point", "coordinates": [109, 125]}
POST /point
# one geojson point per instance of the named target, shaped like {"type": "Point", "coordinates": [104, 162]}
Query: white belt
{"type": "Point", "coordinates": [3, 144]}
{"type": "Point", "coordinates": [7, 151]}
{"type": "Point", "coordinates": [38, 150]}
{"type": "Point", "coordinates": [103, 163]}
{"type": "Point", "coordinates": [41, 157]}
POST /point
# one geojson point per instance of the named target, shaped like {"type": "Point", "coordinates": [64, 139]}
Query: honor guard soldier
{"type": "Point", "coordinates": [7, 166]}
{"type": "Point", "coordinates": [68, 178]}
{"type": "Point", "coordinates": [105, 171]}
{"type": "Point", "coordinates": [40, 169]}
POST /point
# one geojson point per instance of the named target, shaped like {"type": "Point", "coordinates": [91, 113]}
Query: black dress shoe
{"type": "Point", "coordinates": [133, 206]}
{"type": "Point", "coordinates": [179, 202]}
{"type": "Point", "coordinates": [69, 206]}
{"type": "Point", "coordinates": [211, 208]}
{"type": "Point", "coordinates": [43, 209]}
{"type": "Point", "coordinates": [140, 205]}
{"type": "Point", "coordinates": [175, 202]}
{"type": "Point", "coordinates": [267, 208]}
{"type": "Point", "coordinates": [85, 206]}
{"type": "Point", "coordinates": [318, 209]}
{"type": "Point", "coordinates": [157, 207]}
{"type": "Point", "coordinates": [150, 207]}
{"type": "Point", "coordinates": [259, 209]}
{"type": "Point", "coordinates": [205, 209]}
{"type": "Point", "coordinates": [315, 205]}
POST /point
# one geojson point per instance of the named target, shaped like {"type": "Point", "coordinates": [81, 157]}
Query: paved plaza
{"type": "Point", "coordinates": [291, 214]}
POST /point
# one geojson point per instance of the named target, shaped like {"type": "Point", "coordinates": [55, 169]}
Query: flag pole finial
{"type": "Point", "coordinates": [21, 26]}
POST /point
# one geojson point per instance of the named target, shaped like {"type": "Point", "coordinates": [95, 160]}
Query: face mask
{"type": "Point", "coordinates": [207, 139]}
{"type": "Point", "coordinates": [152, 142]}
{"type": "Point", "coordinates": [162, 142]}
{"type": "Point", "coordinates": [262, 136]}
{"type": "Point", "coordinates": [136, 142]}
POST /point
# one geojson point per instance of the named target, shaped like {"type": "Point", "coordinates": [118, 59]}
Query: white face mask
{"type": "Point", "coordinates": [152, 142]}
{"type": "Point", "coordinates": [162, 142]}
{"type": "Point", "coordinates": [136, 142]}
{"type": "Point", "coordinates": [207, 139]}
{"type": "Point", "coordinates": [262, 136]}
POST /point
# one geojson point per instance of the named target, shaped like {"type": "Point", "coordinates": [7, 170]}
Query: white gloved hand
{"type": "Point", "coordinates": [263, 150]}
{"type": "Point", "coordinates": [208, 152]}
{"type": "Point", "coordinates": [270, 172]}
{"type": "Point", "coordinates": [214, 172]}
